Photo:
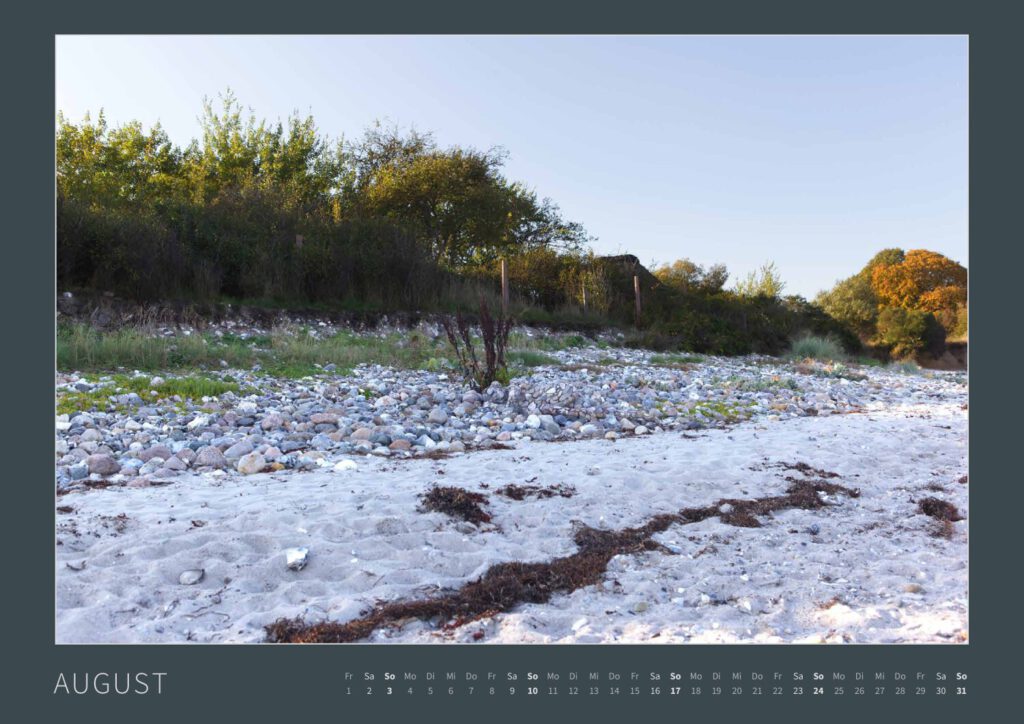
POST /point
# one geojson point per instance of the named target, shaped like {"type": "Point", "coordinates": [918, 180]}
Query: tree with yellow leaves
{"type": "Point", "coordinates": [924, 280]}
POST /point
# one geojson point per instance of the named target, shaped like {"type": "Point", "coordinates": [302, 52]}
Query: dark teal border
{"type": "Point", "coordinates": [279, 684]}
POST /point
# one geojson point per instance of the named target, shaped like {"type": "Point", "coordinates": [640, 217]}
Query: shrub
{"type": "Point", "coordinates": [494, 335]}
{"type": "Point", "coordinates": [820, 348]}
{"type": "Point", "coordinates": [907, 332]}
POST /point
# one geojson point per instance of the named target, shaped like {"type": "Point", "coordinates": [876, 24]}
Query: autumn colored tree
{"type": "Point", "coordinates": [923, 280]}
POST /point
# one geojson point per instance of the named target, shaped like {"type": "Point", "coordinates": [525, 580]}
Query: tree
{"type": "Point", "coordinates": [918, 279]}
{"type": "Point", "coordinates": [853, 300]}
{"type": "Point", "coordinates": [765, 282]}
{"type": "Point", "coordinates": [909, 331]}
{"type": "Point", "coordinates": [687, 276]}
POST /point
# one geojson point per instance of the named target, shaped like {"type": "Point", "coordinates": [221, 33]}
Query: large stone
{"type": "Point", "coordinates": [323, 418]}
{"type": "Point", "coordinates": [210, 457]}
{"type": "Point", "coordinates": [174, 463]}
{"type": "Point", "coordinates": [157, 451]}
{"type": "Point", "coordinates": [437, 416]}
{"type": "Point", "coordinates": [400, 444]}
{"type": "Point", "coordinates": [238, 450]}
{"type": "Point", "coordinates": [102, 464]}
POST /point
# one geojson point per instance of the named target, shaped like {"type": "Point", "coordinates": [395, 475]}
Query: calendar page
{"type": "Point", "coordinates": [418, 371]}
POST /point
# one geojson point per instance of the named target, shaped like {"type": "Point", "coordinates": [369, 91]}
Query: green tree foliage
{"type": "Point", "coordinates": [278, 210]}
{"type": "Point", "coordinates": [689, 277]}
{"type": "Point", "coordinates": [765, 282]}
{"type": "Point", "coordinates": [909, 331]}
{"type": "Point", "coordinates": [853, 300]}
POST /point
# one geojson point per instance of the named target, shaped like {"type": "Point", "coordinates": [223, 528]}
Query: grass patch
{"type": "Point", "coordinates": [284, 353]}
{"type": "Point", "coordinates": [675, 360]}
{"type": "Point", "coordinates": [724, 411]}
{"type": "Point", "coordinates": [529, 358]}
{"type": "Point", "coordinates": [103, 396]}
{"type": "Point", "coordinates": [809, 346]}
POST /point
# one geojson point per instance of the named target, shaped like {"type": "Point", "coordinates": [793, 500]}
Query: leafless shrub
{"type": "Point", "coordinates": [494, 336]}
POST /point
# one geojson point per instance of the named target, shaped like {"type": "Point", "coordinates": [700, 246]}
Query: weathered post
{"type": "Point", "coordinates": [504, 287]}
{"type": "Point", "coordinates": [636, 294]}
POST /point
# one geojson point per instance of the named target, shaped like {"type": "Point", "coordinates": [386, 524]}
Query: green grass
{"type": "Point", "coordinates": [293, 354]}
{"type": "Point", "coordinates": [547, 342]}
{"type": "Point", "coordinates": [809, 346]}
{"type": "Point", "coordinates": [529, 358]}
{"type": "Point", "coordinates": [728, 412]}
{"type": "Point", "coordinates": [178, 389]}
{"type": "Point", "coordinates": [85, 349]}
{"type": "Point", "coordinates": [283, 353]}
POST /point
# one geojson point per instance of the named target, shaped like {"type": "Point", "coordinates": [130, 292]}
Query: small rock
{"type": "Point", "coordinates": [210, 457]}
{"type": "Point", "coordinates": [191, 577]}
{"type": "Point", "coordinates": [296, 558]}
{"type": "Point", "coordinates": [91, 435]}
{"type": "Point", "coordinates": [272, 421]}
{"type": "Point", "coordinates": [157, 451]}
{"type": "Point", "coordinates": [251, 463]}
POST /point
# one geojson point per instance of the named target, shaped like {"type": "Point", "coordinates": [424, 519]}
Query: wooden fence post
{"type": "Point", "coordinates": [504, 287]}
{"type": "Point", "coordinates": [636, 294]}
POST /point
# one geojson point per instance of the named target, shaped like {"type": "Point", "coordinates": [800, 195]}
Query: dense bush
{"type": "Point", "coordinates": [907, 332]}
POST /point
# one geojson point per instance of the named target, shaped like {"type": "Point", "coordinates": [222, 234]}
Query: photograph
{"type": "Point", "coordinates": [488, 339]}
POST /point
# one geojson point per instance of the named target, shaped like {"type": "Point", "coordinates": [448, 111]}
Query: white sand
{"type": "Point", "coordinates": [892, 580]}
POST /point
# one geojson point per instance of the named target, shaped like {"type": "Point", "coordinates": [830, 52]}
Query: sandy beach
{"type": "Point", "coordinates": [867, 569]}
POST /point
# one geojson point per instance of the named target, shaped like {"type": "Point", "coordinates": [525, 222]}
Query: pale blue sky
{"type": "Point", "coordinates": [814, 152]}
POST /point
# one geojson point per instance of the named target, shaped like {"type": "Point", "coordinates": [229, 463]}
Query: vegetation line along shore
{"type": "Point", "coordinates": [280, 214]}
